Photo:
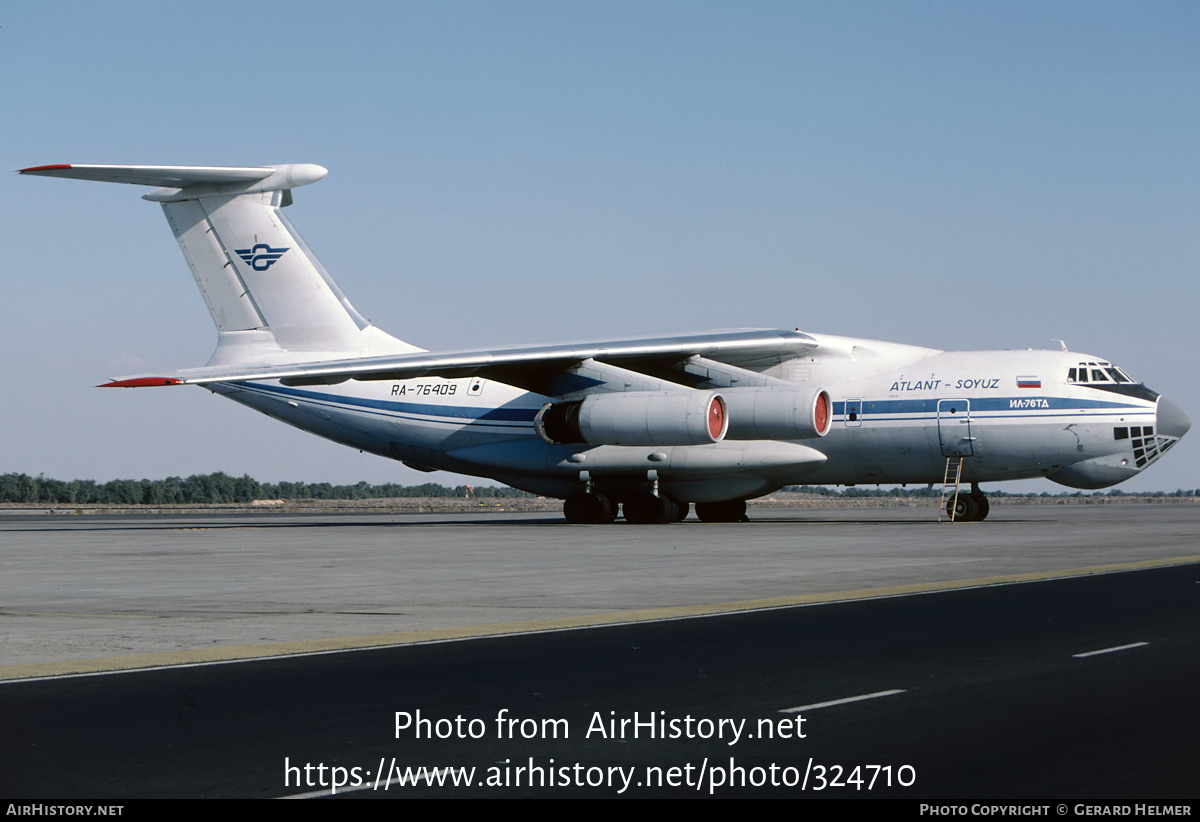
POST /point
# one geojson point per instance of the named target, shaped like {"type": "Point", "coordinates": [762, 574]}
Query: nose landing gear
{"type": "Point", "coordinates": [972, 507]}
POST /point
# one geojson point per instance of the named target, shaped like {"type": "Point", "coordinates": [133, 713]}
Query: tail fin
{"type": "Point", "coordinates": [270, 298]}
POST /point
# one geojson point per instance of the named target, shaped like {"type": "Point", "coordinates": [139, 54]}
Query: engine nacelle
{"type": "Point", "coordinates": [636, 418]}
{"type": "Point", "coordinates": [778, 413]}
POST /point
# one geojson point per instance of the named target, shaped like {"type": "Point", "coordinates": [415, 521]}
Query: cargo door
{"type": "Point", "coordinates": [954, 428]}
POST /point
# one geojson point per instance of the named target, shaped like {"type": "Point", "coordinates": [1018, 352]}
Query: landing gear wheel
{"type": "Point", "coordinates": [589, 509]}
{"type": "Point", "coordinates": [733, 510]}
{"type": "Point", "coordinates": [647, 509]}
{"type": "Point", "coordinates": [981, 500]}
{"type": "Point", "coordinates": [965, 508]}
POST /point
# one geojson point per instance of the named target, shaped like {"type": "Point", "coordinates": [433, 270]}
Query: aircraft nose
{"type": "Point", "coordinates": [1172, 422]}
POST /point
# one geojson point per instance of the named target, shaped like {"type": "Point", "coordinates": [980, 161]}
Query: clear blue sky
{"type": "Point", "coordinates": [957, 175]}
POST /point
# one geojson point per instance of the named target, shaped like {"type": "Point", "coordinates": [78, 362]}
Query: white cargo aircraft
{"type": "Point", "coordinates": [652, 425]}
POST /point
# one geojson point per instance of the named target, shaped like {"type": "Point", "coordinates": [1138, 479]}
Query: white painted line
{"type": "Point", "coordinates": [1111, 650]}
{"type": "Point", "coordinates": [833, 702]}
{"type": "Point", "coordinates": [314, 795]}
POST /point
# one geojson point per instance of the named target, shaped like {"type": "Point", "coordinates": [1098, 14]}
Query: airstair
{"type": "Point", "coordinates": [951, 484]}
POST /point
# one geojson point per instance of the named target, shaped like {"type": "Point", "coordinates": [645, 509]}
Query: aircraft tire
{"type": "Point", "coordinates": [647, 509]}
{"type": "Point", "coordinates": [985, 507]}
{"type": "Point", "coordinates": [965, 508]}
{"type": "Point", "coordinates": [589, 509]}
{"type": "Point", "coordinates": [733, 510]}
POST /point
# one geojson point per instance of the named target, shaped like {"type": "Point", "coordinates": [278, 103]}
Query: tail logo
{"type": "Point", "coordinates": [260, 257]}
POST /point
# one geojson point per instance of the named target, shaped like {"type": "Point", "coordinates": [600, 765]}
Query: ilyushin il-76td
{"type": "Point", "coordinates": [642, 427]}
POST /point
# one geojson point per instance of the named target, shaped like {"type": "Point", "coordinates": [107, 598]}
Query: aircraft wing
{"type": "Point", "coordinates": [525, 367]}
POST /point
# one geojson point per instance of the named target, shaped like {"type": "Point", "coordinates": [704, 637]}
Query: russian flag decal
{"type": "Point", "coordinates": [1029, 382]}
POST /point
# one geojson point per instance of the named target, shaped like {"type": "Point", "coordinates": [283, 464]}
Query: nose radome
{"type": "Point", "coordinates": [1172, 422]}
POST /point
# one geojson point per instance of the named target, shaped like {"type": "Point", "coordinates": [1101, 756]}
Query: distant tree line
{"type": "Point", "coordinates": [390, 490]}
{"type": "Point", "coordinates": [214, 488]}
{"type": "Point", "coordinates": [222, 488]}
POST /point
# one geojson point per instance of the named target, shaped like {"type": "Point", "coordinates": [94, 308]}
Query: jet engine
{"type": "Point", "coordinates": [778, 413]}
{"type": "Point", "coordinates": [636, 418]}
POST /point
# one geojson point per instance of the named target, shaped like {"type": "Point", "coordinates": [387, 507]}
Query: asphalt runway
{"type": "Point", "coordinates": [90, 593]}
{"type": "Point", "coordinates": [1049, 652]}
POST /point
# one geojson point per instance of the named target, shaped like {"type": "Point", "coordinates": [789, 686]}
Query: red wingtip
{"type": "Point", "coordinates": [44, 168]}
{"type": "Point", "coordinates": [141, 382]}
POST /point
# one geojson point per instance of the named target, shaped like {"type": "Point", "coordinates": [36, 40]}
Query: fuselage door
{"type": "Point", "coordinates": [954, 428]}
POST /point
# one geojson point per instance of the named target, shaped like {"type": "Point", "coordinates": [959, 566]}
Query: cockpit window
{"type": "Point", "coordinates": [1093, 372]}
{"type": "Point", "coordinates": [1104, 376]}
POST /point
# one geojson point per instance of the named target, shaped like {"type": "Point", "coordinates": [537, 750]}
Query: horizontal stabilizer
{"type": "Point", "coordinates": [173, 176]}
{"type": "Point", "coordinates": [196, 180]}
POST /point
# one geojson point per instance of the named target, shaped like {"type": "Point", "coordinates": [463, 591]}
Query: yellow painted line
{"type": "Point", "coordinates": [78, 614]}
{"type": "Point", "coordinates": [231, 653]}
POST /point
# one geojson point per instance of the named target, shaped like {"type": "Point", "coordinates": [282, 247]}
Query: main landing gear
{"type": "Point", "coordinates": [733, 510]}
{"type": "Point", "coordinates": [587, 508]}
{"type": "Point", "coordinates": [646, 508]}
{"type": "Point", "coordinates": [972, 507]}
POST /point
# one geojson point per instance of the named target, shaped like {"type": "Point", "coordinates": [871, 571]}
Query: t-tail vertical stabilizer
{"type": "Point", "coordinates": [270, 298]}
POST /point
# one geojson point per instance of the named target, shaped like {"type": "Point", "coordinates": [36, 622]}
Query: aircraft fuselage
{"type": "Point", "coordinates": [898, 413]}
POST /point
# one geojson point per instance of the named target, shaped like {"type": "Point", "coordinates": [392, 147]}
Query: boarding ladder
{"type": "Point", "coordinates": [950, 485]}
